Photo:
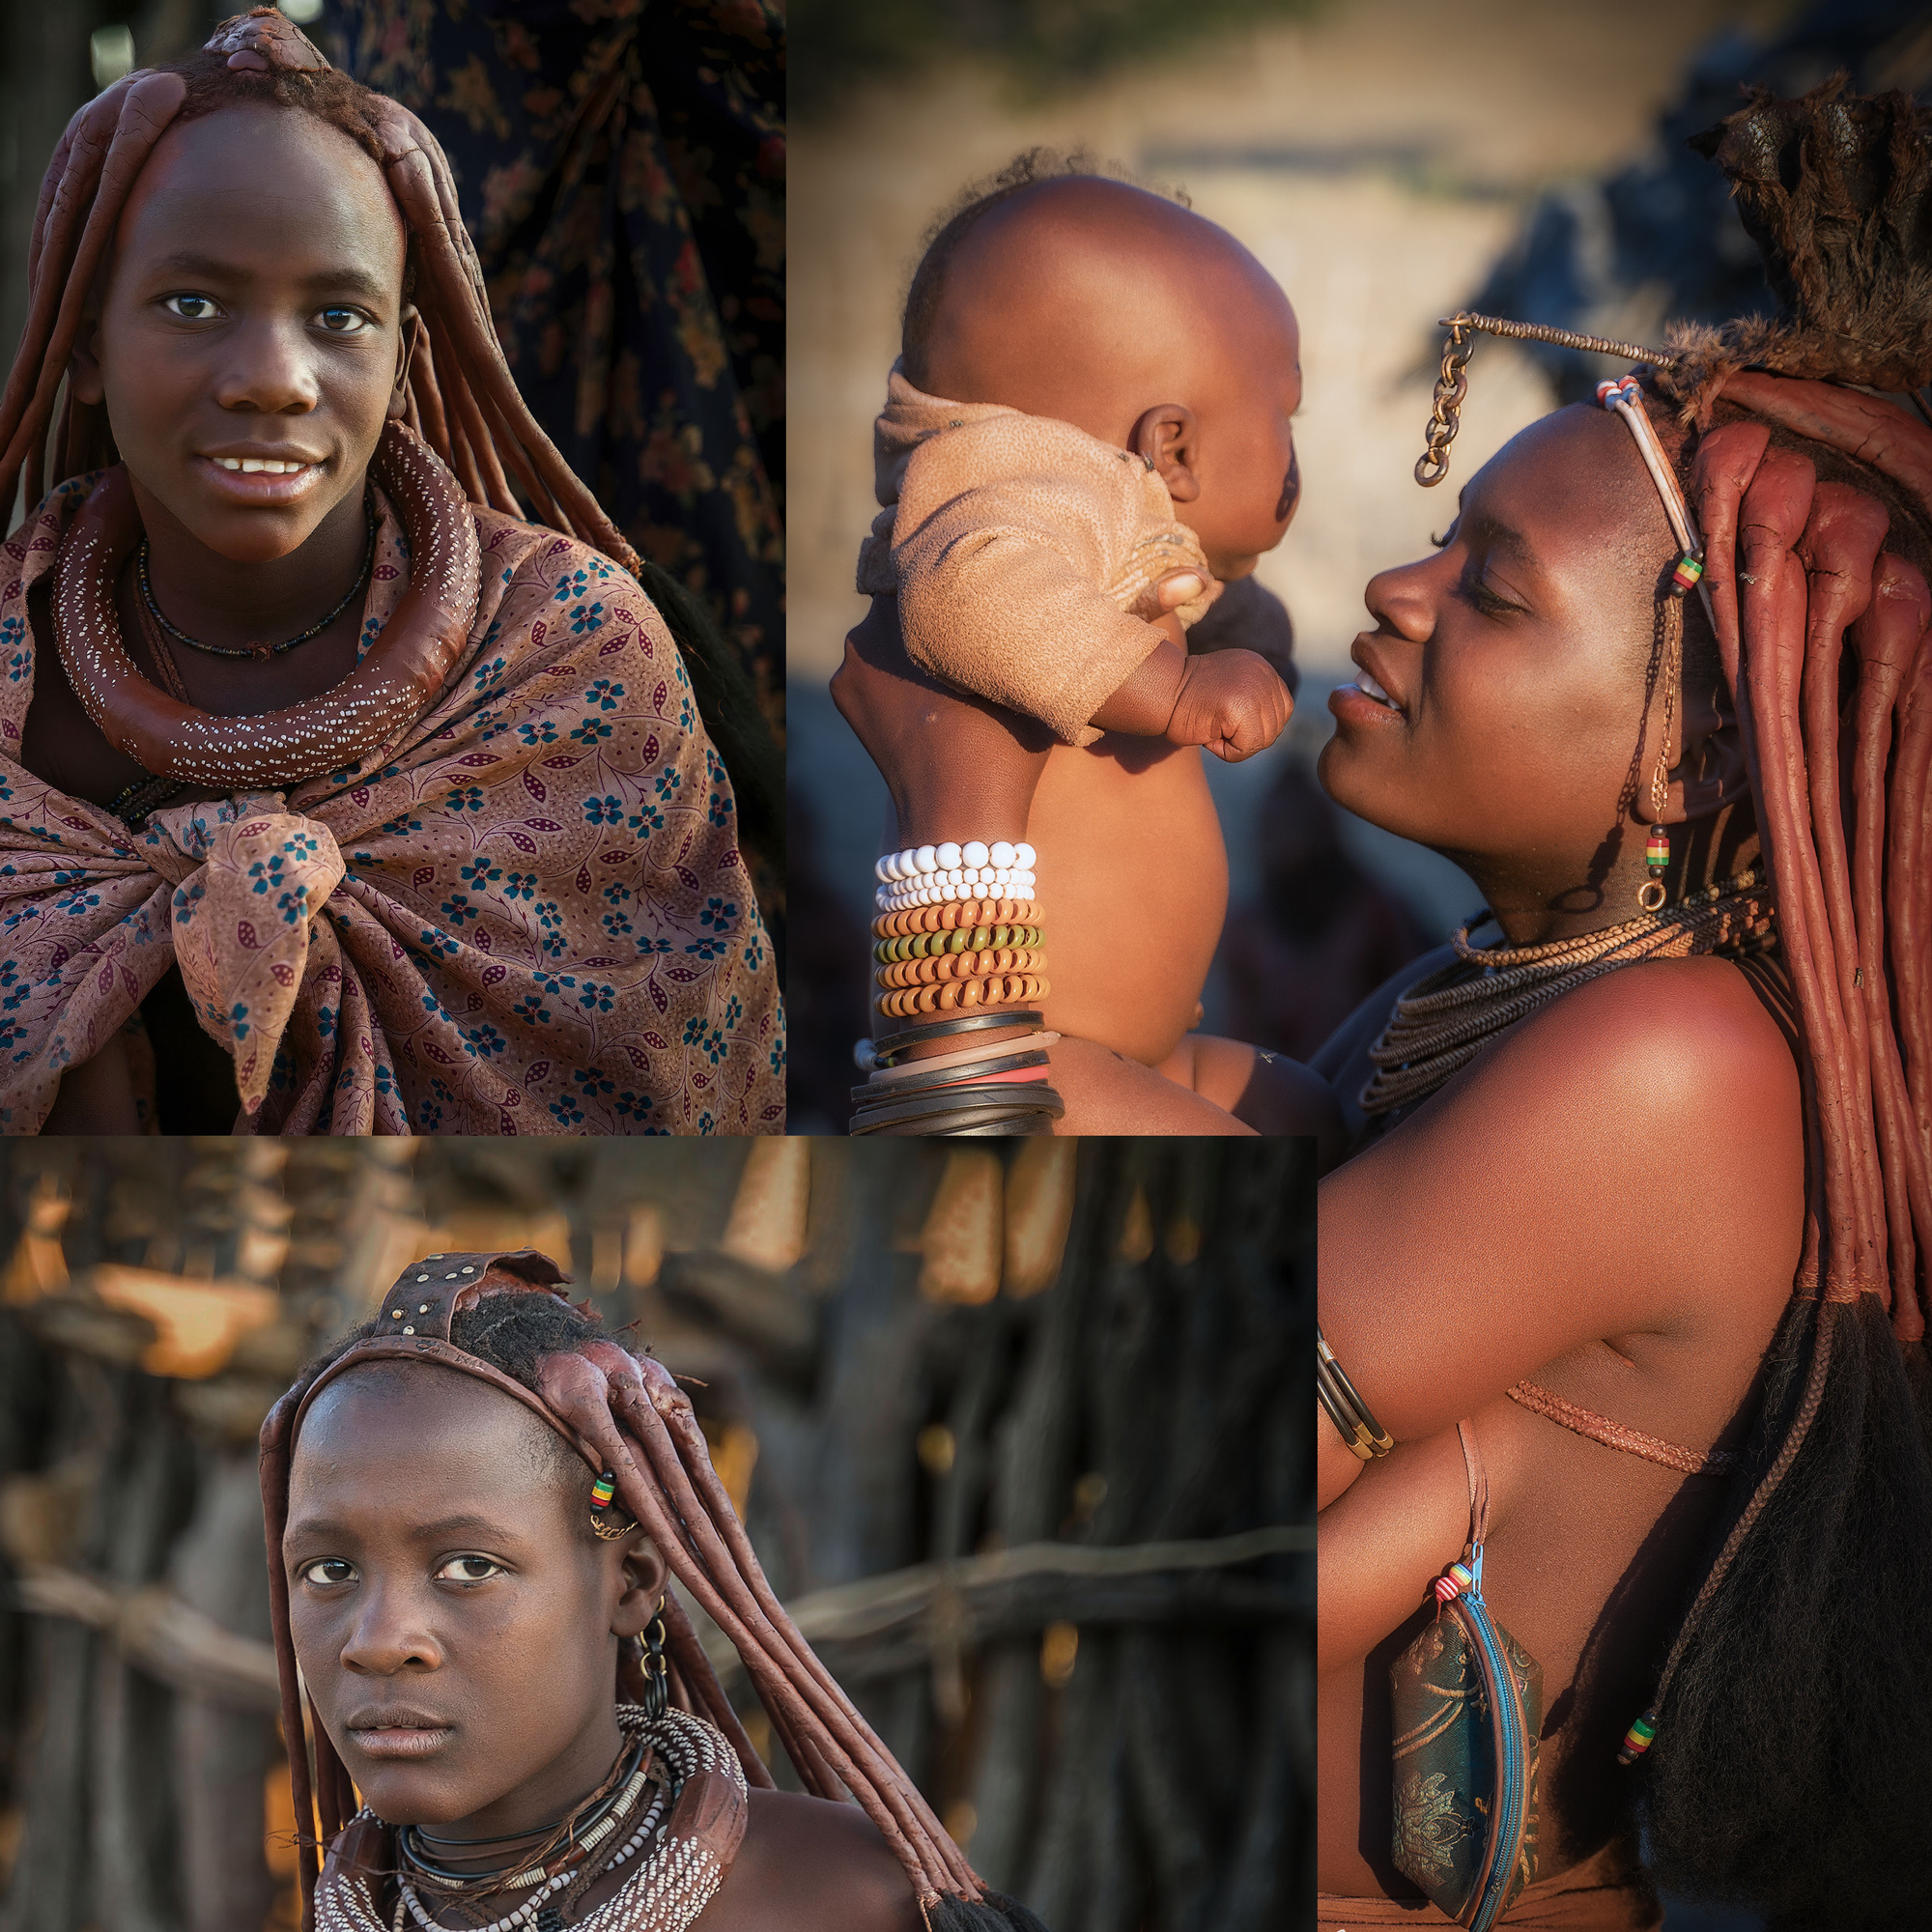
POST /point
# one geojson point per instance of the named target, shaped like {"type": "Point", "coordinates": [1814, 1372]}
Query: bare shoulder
{"type": "Point", "coordinates": [809, 1866]}
{"type": "Point", "coordinates": [1659, 1105]}
{"type": "Point", "coordinates": [1679, 1032]}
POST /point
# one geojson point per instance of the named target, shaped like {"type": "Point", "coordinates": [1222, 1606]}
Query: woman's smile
{"type": "Point", "coordinates": [253, 477]}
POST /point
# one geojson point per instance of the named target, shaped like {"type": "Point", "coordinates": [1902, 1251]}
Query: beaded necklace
{"type": "Point", "coordinates": [674, 1875]}
{"type": "Point", "coordinates": [315, 629]}
{"type": "Point", "coordinates": [1449, 1017]}
{"type": "Point", "coordinates": [576, 1832]}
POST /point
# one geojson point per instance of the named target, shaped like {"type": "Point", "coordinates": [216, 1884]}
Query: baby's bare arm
{"type": "Point", "coordinates": [1232, 700]}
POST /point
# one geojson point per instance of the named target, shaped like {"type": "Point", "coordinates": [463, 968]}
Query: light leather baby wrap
{"type": "Point", "coordinates": [1019, 549]}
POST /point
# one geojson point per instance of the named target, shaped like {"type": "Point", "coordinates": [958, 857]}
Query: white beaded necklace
{"type": "Point", "coordinates": [666, 1892]}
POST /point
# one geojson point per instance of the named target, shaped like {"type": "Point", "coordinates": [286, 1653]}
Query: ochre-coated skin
{"type": "Point", "coordinates": [1622, 1176]}
{"type": "Point", "coordinates": [400, 1483]}
{"type": "Point", "coordinates": [1131, 318]}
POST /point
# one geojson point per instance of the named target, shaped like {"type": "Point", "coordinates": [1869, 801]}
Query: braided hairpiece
{"type": "Point", "coordinates": [1839, 192]}
{"type": "Point", "coordinates": [460, 396]}
{"type": "Point", "coordinates": [625, 1413]}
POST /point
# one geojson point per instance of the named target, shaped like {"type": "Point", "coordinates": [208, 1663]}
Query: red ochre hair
{"type": "Point", "coordinates": [460, 395]}
{"type": "Point", "coordinates": [624, 1413]}
{"type": "Point", "coordinates": [1786, 1741]}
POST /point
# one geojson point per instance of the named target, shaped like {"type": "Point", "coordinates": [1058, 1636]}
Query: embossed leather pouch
{"type": "Point", "coordinates": [1468, 1704]}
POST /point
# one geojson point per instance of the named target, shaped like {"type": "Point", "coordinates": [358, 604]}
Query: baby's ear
{"type": "Point", "coordinates": [1164, 439]}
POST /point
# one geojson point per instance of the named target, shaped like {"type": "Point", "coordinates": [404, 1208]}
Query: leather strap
{"type": "Point", "coordinates": [1479, 1483]}
{"type": "Point", "coordinates": [413, 1322]}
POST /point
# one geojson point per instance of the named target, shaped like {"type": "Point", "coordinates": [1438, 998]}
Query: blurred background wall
{"type": "Point", "coordinates": [1388, 160]}
{"type": "Point", "coordinates": [1020, 1437]}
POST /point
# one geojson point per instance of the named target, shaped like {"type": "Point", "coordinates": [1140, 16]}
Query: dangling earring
{"type": "Point", "coordinates": [657, 1672]}
{"type": "Point", "coordinates": [1657, 848]}
{"type": "Point", "coordinates": [605, 1521]}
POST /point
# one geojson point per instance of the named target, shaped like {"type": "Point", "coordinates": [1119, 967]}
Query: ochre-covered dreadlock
{"type": "Point", "coordinates": [1814, 500]}
{"type": "Point", "coordinates": [460, 397]}
{"type": "Point", "coordinates": [1792, 1715]}
{"type": "Point", "coordinates": [625, 1413]}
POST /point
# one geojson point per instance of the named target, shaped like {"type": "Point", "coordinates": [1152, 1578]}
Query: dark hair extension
{"type": "Point", "coordinates": [1794, 1706]}
{"type": "Point", "coordinates": [1782, 1776]}
{"type": "Point", "coordinates": [977, 199]}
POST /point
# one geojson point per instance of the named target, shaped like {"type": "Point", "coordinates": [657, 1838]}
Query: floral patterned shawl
{"type": "Point", "coordinates": [532, 918]}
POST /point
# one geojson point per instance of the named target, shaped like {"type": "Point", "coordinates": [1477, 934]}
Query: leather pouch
{"type": "Point", "coordinates": [1468, 1704]}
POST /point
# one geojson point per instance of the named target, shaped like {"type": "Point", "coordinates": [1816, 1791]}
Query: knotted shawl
{"type": "Point", "coordinates": [527, 914]}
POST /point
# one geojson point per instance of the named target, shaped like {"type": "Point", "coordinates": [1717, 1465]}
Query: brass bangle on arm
{"type": "Point", "coordinates": [1362, 1436]}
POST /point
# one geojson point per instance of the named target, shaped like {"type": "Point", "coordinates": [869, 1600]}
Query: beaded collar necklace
{"type": "Point", "coordinates": [1447, 1020]}
{"type": "Point", "coordinates": [530, 1852]}
{"type": "Point", "coordinates": [260, 651]}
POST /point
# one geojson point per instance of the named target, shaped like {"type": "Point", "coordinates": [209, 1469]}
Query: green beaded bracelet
{"type": "Point", "coordinates": [930, 945]}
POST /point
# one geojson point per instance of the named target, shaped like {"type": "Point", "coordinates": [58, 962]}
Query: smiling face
{"type": "Point", "coordinates": [248, 333]}
{"type": "Point", "coordinates": [456, 1621]}
{"type": "Point", "coordinates": [1514, 663]}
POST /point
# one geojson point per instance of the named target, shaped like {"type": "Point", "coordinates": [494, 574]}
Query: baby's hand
{"type": "Point", "coordinates": [1231, 702]}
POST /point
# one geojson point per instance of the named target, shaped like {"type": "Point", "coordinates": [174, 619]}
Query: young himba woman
{"type": "Point", "coordinates": [412, 792]}
{"type": "Point", "coordinates": [1656, 1237]}
{"type": "Point", "coordinates": [1090, 303]}
{"type": "Point", "coordinates": [474, 1507]}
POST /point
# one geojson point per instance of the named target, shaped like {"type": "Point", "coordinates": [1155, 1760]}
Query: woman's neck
{"type": "Point", "coordinates": [1538, 897]}
{"type": "Point", "coordinates": [559, 1788]}
{"type": "Point", "coordinates": [218, 601]}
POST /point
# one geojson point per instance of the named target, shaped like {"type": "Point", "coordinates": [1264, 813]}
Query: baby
{"type": "Point", "coordinates": [1088, 433]}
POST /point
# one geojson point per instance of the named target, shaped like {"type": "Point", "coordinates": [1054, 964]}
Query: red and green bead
{"type": "Point", "coordinates": [1638, 1739]}
{"type": "Point", "coordinates": [1685, 578]}
{"type": "Point", "coordinates": [602, 1489]}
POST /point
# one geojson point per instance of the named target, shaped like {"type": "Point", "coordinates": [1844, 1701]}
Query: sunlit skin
{"type": "Point", "coordinates": [252, 306]}
{"type": "Point", "coordinates": [1622, 1174]}
{"type": "Point", "coordinates": [458, 1627]}
{"type": "Point", "coordinates": [1151, 328]}
{"type": "Point", "coordinates": [1511, 656]}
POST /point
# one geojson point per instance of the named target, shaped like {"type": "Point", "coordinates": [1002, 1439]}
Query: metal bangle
{"type": "Point", "coordinates": [987, 1016]}
{"type": "Point", "coordinates": [944, 1115]}
{"type": "Point", "coordinates": [1359, 1430]}
{"type": "Point", "coordinates": [912, 1082]}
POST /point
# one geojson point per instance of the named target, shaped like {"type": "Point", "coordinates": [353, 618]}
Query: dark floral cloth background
{"type": "Point", "coordinates": [621, 167]}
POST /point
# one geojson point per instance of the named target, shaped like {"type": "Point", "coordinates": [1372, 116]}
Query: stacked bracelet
{"type": "Point", "coordinates": [1363, 1437]}
{"type": "Point", "coordinates": [981, 1085]}
{"type": "Point", "coordinates": [956, 953]}
{"type": "Point", "coordinates": [923, 875]}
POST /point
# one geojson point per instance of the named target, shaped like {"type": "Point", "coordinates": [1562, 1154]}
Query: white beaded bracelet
{"type": "Point", "coordinates": [931, 874]}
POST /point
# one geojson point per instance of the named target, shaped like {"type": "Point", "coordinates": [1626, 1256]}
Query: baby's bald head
{"type": "Point", "coordinates": [1098, 303]}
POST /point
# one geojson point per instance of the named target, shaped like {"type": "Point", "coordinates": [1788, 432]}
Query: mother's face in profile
{"type": "Point", "coordinates": [1513, 659]}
